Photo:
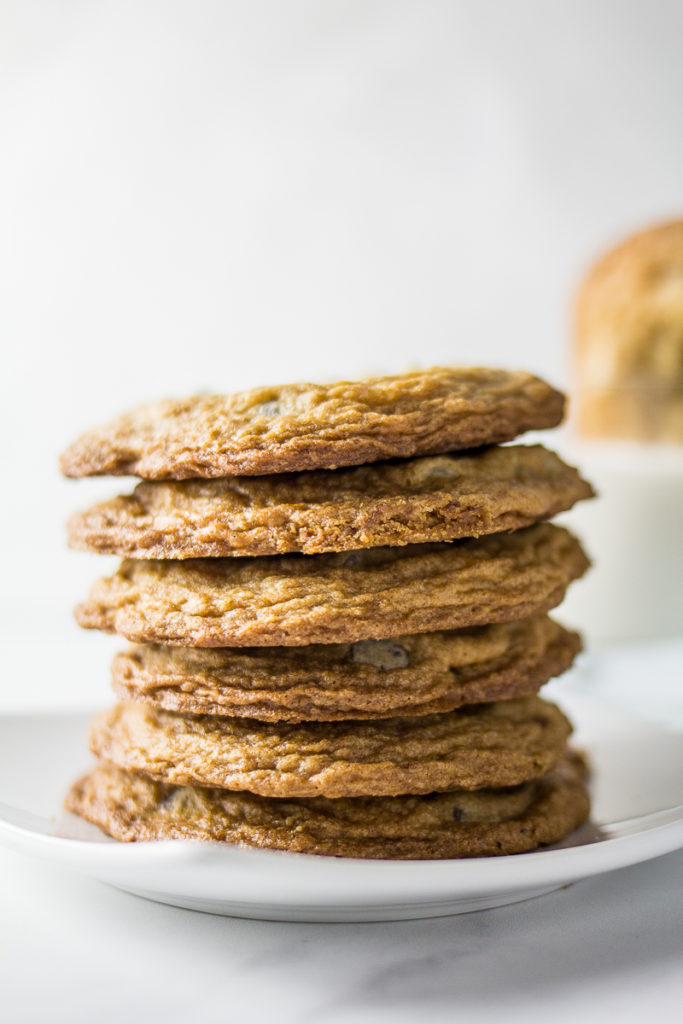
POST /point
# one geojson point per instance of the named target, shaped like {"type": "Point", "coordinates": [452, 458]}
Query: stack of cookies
{"type": "Point", "coordinates": [337, 597]}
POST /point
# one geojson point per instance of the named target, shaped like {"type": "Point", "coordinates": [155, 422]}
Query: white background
{"type": "Point", "coordinates": [212, 195]}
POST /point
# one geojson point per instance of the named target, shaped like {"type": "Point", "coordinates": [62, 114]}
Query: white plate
{"type": "Point", "coordinates": [637, 814]}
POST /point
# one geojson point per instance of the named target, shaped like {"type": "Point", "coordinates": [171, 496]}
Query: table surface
{"type": "Point", "coordinates": [73, 950]}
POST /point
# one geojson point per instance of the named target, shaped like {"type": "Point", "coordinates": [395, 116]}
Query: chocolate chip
{"type": "Point", "coordinates": [267, 409]}
{"type": "Point", "coordinates": [353, 558]}
{"type": "Point", "coordinates": [441, 469]}
{"type": "Point", "coordinates": [177, 802]}
{"type": "Point", "coordinates": [382, 654]}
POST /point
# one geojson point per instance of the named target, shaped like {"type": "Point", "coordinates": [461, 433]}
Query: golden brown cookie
{"type": "Point", "coordinates": [629, 340]}
{"type": "Point", "coordinates": [295, 600]}
{"type": "Point", "coordinates": [499, 744]}
{"type": "Point", "coordinates": [485, 823]}
{"type": "Point", "coordinates": [316, 426]}
{"type": "Point", "coordinates": [408, 675]}
{"type": "Point", "coordinates": [434, 498]}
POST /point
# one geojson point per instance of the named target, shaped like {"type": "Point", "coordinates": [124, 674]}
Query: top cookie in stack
{"type": "Point", "coordinates": [310, 426]}
{"type": "Point", "coordinates": [366, 595]}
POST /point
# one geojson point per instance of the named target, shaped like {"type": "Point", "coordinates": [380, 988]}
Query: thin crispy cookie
{"type": "Point", "coordinates": [408, 675]}
{"type": "Point", "coordinates": [296, 600]}
{"type": "Point", "coordinates": [311, 426]}
{"type": "Point", "coordinates": [498, 744]}
{"type": "Point", "coordinates": [433, 498]}
{"type": "Point", "coordinates": [486, 823]}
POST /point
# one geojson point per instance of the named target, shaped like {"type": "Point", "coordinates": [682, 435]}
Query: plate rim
{"type": "Point", "coordinates": [228, 873]}
{"type": "Point", "coordinates": [443, 879]}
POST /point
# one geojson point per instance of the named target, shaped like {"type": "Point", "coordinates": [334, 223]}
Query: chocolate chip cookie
{"type": "Point", "coordinates": [388, 503]}
{"type": "Point", "coordinates": [629, 340]}
{"type": "Point", "coordinates": [408, 675]}
{"type": "Point", "coordinates": [295, 600]}
{"type": "Point", "coordinates": [485, 823]}
{"type": "Point", "coordinates": [495, 744]}
{"type": "Point", "coordinates": [318, 426]}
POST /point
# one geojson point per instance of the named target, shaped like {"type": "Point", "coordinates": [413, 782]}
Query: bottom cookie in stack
{"type": "Point", "coordinates": [481, 780]}
{"type": "Point", "coordinates": [481, 823]}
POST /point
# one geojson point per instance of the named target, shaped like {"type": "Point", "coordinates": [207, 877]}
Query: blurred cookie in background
{"type": "Point", "coordinates": [629, 340]}
{"type": "Point", "coordinates": [627, 432]}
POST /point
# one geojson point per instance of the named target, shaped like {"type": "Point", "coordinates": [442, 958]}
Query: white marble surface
{"type": "Point", "coordinates": [74, 950]}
